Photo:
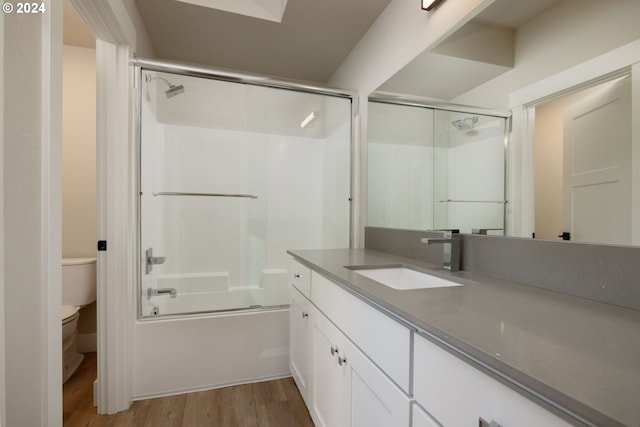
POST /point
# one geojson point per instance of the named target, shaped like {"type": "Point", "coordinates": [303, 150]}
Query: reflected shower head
{"type": "Point", "coordinates": [173, 89]}
{"type": "Point", "coordinates": [465, 124]}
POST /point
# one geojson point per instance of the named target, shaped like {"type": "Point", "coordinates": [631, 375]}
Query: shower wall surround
{"type": "Point", "coordinates": [226, 139]}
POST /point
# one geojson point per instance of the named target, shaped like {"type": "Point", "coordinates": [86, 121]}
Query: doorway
{"type": "Point", "coordinates": [583, 165]}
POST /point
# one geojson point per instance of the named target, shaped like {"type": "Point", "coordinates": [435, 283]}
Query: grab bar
{"type": "Point", "coordinates": [177, 193]}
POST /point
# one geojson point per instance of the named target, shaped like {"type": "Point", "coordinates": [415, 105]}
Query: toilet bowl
{"type": "Point", "coordinates": [78, 290]}
{"type": "Point", "coordinates": [71, 359]}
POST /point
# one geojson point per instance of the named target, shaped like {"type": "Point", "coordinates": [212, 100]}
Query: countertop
{"type": "Point", "coordinates": [581, 355]}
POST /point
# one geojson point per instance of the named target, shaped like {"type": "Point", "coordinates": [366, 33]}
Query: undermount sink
{"type": "Point", "coordinates": [402, 278]}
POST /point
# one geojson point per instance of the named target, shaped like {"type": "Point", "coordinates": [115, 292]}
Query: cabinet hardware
{"type": "Point", "coordinates": [296, 276]}
{"type": "Point", "coordinates": [305, 315]}
{"type": "Point", "coordinates": [343, 361]}
{"type": "Point", "coordinates": [334, 350]}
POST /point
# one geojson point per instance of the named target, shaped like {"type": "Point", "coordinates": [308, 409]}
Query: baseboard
{"type": "Point", "coordinates": [87, 343]}
{"type": "Point", "coordinates": [212, 387]}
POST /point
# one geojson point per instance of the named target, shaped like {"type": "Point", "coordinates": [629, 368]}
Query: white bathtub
{"type": "Point", "coordinates": [206, 349]}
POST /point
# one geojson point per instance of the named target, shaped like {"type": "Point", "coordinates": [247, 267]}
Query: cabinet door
{"type": "Point", "coordinates": [375, 400]}
{"type": "Point", "coordinates": [300, 350]}
{"type": "Point", "coordinates": [420, 418]}
{"type": "Point", "coordinates": [348, 389]}
{"type": "Point", "coordinates": [330, 393]}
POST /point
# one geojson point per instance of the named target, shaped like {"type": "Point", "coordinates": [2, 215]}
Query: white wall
{"type": "Point", "coordinates": [79, 170]}
{"type": "Point", "coordinates": [79, 153]}
{"type": "Point", "coordinates": [568, 34]}
{"type": "Point", "coordinates": [32, 217]}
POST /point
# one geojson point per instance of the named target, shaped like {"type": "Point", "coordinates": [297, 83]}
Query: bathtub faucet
{"type": "Point", "coordinates": [162, 291]}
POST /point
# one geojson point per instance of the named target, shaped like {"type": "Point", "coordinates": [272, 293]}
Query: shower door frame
{"type": "Point", "coordinates": [142, 65]}
{"type": "Point", "coordinates": [416, 101]}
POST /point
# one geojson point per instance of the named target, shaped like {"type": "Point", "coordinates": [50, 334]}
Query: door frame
{"type": "Point", "coordinates": [521, 173]}
{"type": "Point", "coordinates": [115, 36]}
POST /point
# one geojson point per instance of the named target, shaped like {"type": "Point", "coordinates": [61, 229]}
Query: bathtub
{"type": "Point", "coordinates": [215, 344]}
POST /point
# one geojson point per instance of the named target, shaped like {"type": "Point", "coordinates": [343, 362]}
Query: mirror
{"type": "Point", "coordinates": [466, 74]}
{"type": "Point", "coordinates": [583, 174]}
{"type": "Point", "coordinates": [430, 168]}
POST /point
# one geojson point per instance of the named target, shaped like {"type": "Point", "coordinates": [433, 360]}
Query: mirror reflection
{"type": "Point", "coordinates": [573, 154]}
{"type": "Point", "coordinates": [430, 168]}
{"type": "Point", "coordinates": [583, 152]}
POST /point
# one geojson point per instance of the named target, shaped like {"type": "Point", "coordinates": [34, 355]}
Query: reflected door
{"type": "Point", "coordinates": [597, 166]}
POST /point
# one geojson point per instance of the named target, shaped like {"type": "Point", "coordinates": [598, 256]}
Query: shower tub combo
{"type": "Point", "coordinates": [233, 172]}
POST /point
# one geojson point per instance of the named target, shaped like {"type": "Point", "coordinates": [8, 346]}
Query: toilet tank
{"type": "Point", "coordinates": [78, 281]}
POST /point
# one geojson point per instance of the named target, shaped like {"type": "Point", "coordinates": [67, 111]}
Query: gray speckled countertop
{"type": "Point", "coordinates": [579, 354]}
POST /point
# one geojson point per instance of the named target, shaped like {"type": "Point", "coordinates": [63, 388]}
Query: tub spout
{"type": "Point", "coordinates": [162, 291]}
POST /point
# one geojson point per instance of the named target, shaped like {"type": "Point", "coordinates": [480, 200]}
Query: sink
{"type": "Point", "coordinates": [402, 278]}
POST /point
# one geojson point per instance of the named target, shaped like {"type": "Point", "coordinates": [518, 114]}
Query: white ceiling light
{"type": "Point", "coordinates": [271, 10]}
{"type": "Point", "coordinates": [429, 4]}
{"type": "Point", "coordinates": [308, 120]}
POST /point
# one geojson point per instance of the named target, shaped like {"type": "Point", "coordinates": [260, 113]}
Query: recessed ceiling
{"type": "Point", "coordinates": [271, 10]}
{"type": "Point", "coordinates": [310, 43]}
{"type": "Point", "coordinates": [469, 57]}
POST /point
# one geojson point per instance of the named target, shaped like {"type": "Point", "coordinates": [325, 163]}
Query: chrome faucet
{"type": "Point", "coordinates": [162, 291]}
{"type": "Point", "coordinates": [451, 248]}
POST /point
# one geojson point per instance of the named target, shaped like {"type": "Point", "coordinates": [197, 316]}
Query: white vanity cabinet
{"type": "Point", "coordinates": [350, 362]}
{"type": "Point", "coordinates": [348, 389]}
{"type": "Point", "coordinates": [457, 394]}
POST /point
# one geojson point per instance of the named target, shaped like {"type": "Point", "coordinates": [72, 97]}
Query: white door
{"type": "Point", "coordinates": [597, 166]}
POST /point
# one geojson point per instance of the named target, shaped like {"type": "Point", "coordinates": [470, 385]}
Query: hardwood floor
{"type": "Point", "coordinates": [271, 403]}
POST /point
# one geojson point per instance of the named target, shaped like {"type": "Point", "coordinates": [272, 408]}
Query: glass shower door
{"type": "Point", "coordinates": [229, 181]}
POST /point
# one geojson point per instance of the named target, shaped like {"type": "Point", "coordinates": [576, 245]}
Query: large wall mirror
{"type": "Point", "coordinates": [432, 168]}
{"type": "Point", "coordinates": [573, 163]}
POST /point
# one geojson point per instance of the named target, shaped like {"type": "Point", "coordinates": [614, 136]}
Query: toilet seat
{"type": "Point", "coordinates": [69, 313]}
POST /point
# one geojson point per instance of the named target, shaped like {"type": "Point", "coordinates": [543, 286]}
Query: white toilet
{"type": "Point", "coordinates": [78, 290]}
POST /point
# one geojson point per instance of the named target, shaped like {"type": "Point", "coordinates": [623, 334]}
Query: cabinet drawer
{"type": "Point", "coordinates": [386, 342]}
{"type": "Point", "coordinates": [457, 394]}
{"type": "Point", "coordinates": [300, 277]}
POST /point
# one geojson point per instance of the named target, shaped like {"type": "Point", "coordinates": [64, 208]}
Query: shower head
{"type": "Point", "coordinates": [465, 124]}
{"type": "Point", "coordinates": [173, 89]}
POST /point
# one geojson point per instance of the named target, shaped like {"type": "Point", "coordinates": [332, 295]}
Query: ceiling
{"type": "Point", "coordinates": [312, 40]}
{"type": "Point", "coordinates": [310, 43]}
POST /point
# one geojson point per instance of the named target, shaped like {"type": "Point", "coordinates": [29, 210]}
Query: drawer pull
{"type": "Point", "coordinates": [343, 361]}
{"type": "Point", "coordinates": [296, 276]}
{"type": "Point", "coordinates": [483, 423]}
{"type": "Point", "coordinates": [334, 351]}
{"type": "Point", "coordinates": [305, 315]}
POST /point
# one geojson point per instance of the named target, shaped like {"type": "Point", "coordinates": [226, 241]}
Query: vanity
{"type": "Point", "coordinates": [473, 349]}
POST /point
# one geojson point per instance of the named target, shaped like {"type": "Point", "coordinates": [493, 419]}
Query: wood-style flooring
{"type": "Point", "coordinates": [272, 403]}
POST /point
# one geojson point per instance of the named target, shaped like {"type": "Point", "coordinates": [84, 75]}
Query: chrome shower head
{"type": "Point", "coordinates": [173, 89]}
{"type": "Point", "coordinates": [465, 124]}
